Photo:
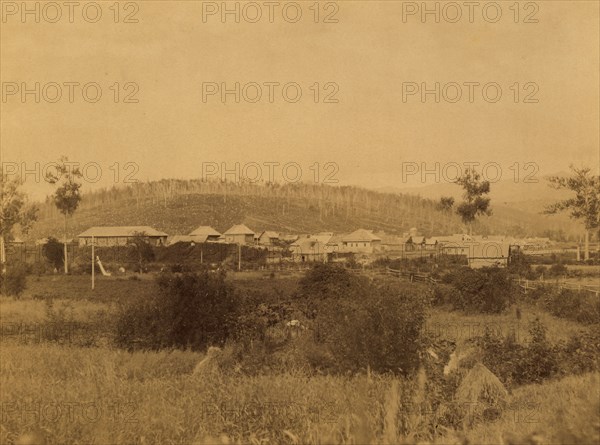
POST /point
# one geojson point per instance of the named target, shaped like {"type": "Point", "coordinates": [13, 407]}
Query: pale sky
{"type": "Point", "coordinates": [370, 54]}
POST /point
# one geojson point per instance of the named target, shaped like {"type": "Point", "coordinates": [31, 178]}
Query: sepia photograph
{"type": "Point", "coordinates": [309, 222]}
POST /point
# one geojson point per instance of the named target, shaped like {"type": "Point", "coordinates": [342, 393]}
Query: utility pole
{"type": "Point", "coordinates": [65, 248]}
{"type": "Point", "coordinates": [239, 257]}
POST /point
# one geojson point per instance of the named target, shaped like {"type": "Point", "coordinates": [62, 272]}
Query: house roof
{"type": "Point", "coordinates": [239, 229]}
{"type": "Point", "coordinates": [205, 231]}
{"type": "Point", "coordinates": [119, 231]}
{"type": "Point", "coordinates": [454, 239]}
{"type": "Point", "coordinates": [417, 239]}
{"type": "Point", "coordinates": [322, 237]}
{"type": "Point", "coordinates": [185, 239]}
{"type": "Point", "coordinates": [335, 239]}
{"type": "Point", "coordinates": [361, 235]}
{"type": "Point", "coordinates": [308, 245]}
{"type": "Point", "coordinates": [269, 234]}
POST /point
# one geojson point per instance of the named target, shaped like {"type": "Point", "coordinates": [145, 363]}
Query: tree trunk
{"type": "Point", "coordinates": [3, 263]}
{"type": "Point", "coordinates": [2, 254]}
{"type": "Point", "coordinates": [66, 261]}
{"type": "Point", "coordinates": [586, 255]}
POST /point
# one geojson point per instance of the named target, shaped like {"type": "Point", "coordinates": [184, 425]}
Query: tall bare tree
{"type": "Point", "coordinates": [67, 196]}
{"type": "Point", "coordinates": [585, 206]}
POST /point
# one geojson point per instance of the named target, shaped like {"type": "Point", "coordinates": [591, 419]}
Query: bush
{"type": "Point", "coordinates": [557, 270]}
{"type": "Point", "coordinates": [445, 294]}
{"type": "Point", "coordinates": [54, 253]}
{"type": "Point", "coordinates": [581, 353]}
{"type": "Point", "coordinates": [179, 268]}
{"type": "Point", "coordinates": [541, 271]}
{"type": "Point", "coordinates": [188, 311]}
{"type": "Point", "coordinates": [517, 364]}
{"type": "Point", "coordinates": [325, 281]}
{"type": "Point", "coordinates": [573, 305]}
{"type": "Point", "coordinates": [486, 290]}
{"type": "Point", "coordinates": [380, 328]}
{"type": "Point", "coordinates": [13, 283]}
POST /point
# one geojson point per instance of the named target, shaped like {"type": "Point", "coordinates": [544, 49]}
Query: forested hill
{"type": "Point", "coordinates": [179, 206]}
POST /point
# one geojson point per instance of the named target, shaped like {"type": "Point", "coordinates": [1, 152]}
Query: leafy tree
{"type": "Point", "coordinates": [53, 252]}
{"type": "Point", "coordinates": [446, 203]}
{"type": "Point", "coordinates": [143, 249]}
{"type": "Point", "coordinates": [585, 206]}
{"type": "Point", "coordinates": [14, 211]}
{"type": "Point", "coordinates": [474, 202]}
{"type": "Point", "coordinates": [67, 196]}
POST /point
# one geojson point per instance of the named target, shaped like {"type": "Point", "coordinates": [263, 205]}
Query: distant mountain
{"type": "Point", "coordinates": [179, 206]}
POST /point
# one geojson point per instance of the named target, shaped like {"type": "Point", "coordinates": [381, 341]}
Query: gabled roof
{"type": "Point", "coordinates": [119, 231]}
{"type": "Point", "coordinates": [322, 237]}
{"type": "Point", "coordinates": [205, 231]}
{"type": "Point", "coordinates": [239, 229]}
{"type": "Point", "coordinates": [184, 239]}
{"type": "Point", "coordinates": [269, 234]}
{"type": "Point", "coordinates": [308, 245]}
{"type": "Point", "coordinates": [361, 235]}
{"type": "Point", "coordinates": [335, 239]}
{"type": "Point", "coordinates": [417, 239]}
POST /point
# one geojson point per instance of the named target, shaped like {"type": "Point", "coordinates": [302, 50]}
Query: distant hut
{"type": "Point", "coordinates": [268, 238]}
{"type": "Point", "coordinates": [361, 241]}
{"type": "Point", "coordinates": [239, 234]}
{"type": "Point", "coordinates": [205, 234]}
{"type": "Point", "coordinates": [121, 235]}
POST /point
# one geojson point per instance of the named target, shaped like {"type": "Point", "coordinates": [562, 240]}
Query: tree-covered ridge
{"type": "Point", "coordinates": [179, 206]}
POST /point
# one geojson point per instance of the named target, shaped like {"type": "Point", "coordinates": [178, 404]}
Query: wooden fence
{"type": "Point", "coordinates": [534, 284]}
{"type": "Point", "coordinates": [421, 277]}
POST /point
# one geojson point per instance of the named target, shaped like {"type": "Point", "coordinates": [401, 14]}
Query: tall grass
{"type": "Point", "coordinates": [147, 398]}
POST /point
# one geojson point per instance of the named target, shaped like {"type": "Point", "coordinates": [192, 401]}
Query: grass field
{"type": "Point", "coordinates": [79, 394]}
{"type": "Point", "coordinates": [103, 395]}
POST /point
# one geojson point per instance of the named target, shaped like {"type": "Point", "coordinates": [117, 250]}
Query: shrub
{"type": "Point", "coordinates": [380, 328]}
{"type": "Point", "coordinates": [54, 253]}
{"type": "Point", "coordinates": [520, 265]}
{"type": "Point", "coordinates": [517, 364]}
{"type": "Point", "coordinates": [486, 290]}
{"type": "Point", "coordinates": [581, 353]}
{"type": "Point", "coordinates": [324, 281]}
{"type": "Point", "coordinates": [445, 294]}
{"type": "Point", "coordinates": [557, 269]}
{"type": "Point", "coordinates": [188, 311]}
{"type": "Point", "coordinates": [179, 268]}
{"type": "Point", "coordinates": [13, 282]}
{"type": "Point", "coordinates": [573, 305]}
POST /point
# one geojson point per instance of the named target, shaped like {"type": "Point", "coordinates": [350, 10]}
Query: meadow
{"type": "Point", "coordinates": [74, 391]}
